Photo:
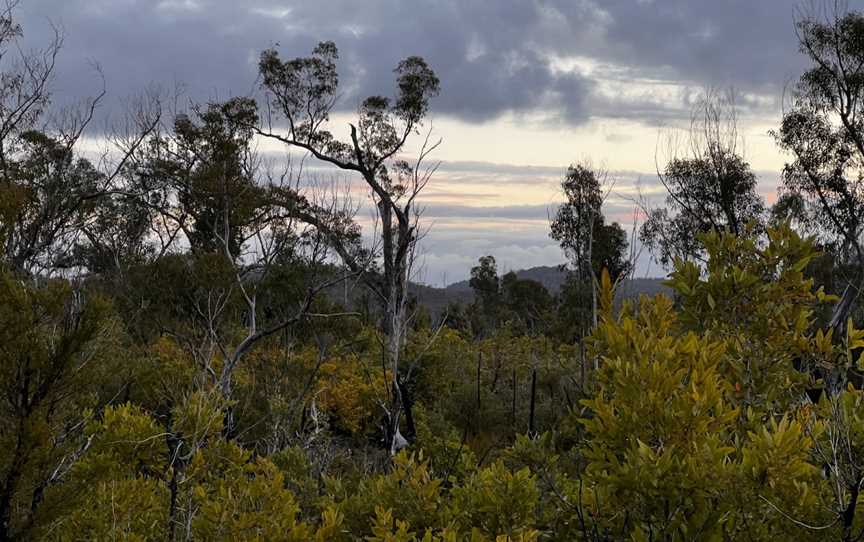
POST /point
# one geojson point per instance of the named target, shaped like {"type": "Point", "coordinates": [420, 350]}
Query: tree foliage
{"type": "Point", "coordinates": [710, 186]}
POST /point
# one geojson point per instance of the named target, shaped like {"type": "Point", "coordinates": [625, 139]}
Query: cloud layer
{"type": "Point", "coordinates": [568, 59]}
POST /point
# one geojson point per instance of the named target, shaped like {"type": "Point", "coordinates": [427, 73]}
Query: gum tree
{"type": "Point", "coordinates": [301, 95]}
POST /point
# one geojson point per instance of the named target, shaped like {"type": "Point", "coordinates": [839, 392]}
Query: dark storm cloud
{"type": "Point", "coordinates": [749, 43]}
{"type": "Point", "coordinates": [492, 56]}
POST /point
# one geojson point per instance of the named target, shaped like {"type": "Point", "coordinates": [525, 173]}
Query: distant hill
{"type": "Point", "coordinates": [551, 277]}
{"type": "Point", "coordinates": [647, 286]}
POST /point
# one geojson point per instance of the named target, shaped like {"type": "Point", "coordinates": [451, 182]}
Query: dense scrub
{"type": "Point", "coordinates": [699, 422]}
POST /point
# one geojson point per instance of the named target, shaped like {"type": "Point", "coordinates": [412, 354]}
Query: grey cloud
{"type": "Point", "coordinates": [751, 44]}
{"type": "Point", "coordinates": [614, 209]}
{"type": "Point", "coordinates": [497, 168]}
{"type": "Point", "coordinates": [431, 195]}
{"type": "Point", "coordinates": [511, 212]}
{"type": "Point", "coordinates": [492, 56]}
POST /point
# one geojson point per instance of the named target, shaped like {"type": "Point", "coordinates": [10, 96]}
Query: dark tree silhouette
{"type": "Point", "coordinates": [588, 242]}
{"type": "Point", "coordinates": [823, 131]}
{"type": "Point", "coordinates": [711, 188]}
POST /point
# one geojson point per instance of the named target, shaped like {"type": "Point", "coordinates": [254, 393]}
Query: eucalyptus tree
{"type": "Point", "coordinates": [589, 244]}
{"type": "Point", "coordinates": [709, 185]}
{"type": "Point", "coordinates": [488, 301]}
{"type": "Point", "coordinates": [48, 190]}
{"type": "Point", "coordinates": [823, 132]}
{"type": "Point", "coordinates": [301, 95]}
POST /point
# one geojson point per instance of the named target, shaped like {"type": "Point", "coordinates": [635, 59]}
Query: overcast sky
{"type": "Point", "coordinates": [527, 87]}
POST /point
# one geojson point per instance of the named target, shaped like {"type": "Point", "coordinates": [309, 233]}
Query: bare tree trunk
{"type": "Point", "coordinates": [590, 263]}
{"type": "Point", "coordinates": [7, 493]}
{"type": "Point", "coordinates": [582, 365]}
{"type": "Point", "coordinates": [408, 403]}
{"type": "Point", "coordinates": [513, 402]}
{"type": "Point", "coordinates": [479, 364]}
{"type": "Point", "coordinates": [174, 445]}
{"type": "Point", "coordinates": [849, 512]}
{"type": "Point", "coordinates": [533, 401]}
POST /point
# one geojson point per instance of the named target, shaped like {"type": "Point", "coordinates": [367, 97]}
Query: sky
{"type": "Point", "coordinates": [527, 87]}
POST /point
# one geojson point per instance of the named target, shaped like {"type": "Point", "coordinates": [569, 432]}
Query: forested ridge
{"type": "Point", "coordinates": [200, 343]}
